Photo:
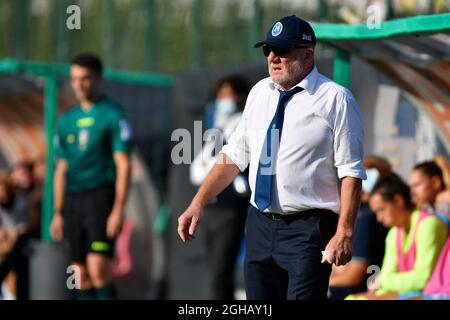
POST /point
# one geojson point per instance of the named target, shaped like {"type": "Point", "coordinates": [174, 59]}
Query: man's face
{"type": "Point", "coordinates": [423, 189]}
{"type": "Point", "coordinates": [85, 82]}
{"type": "Point", "coordinates": [287, 68]}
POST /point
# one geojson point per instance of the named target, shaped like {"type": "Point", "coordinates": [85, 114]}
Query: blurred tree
{"type": "Point", "coordinates": [62, 33]}
{"type": "Point", "coordinates": [20, 22]}
{"type": "Point", "coordinates": [6, 28]}
{"type": "Point", "coordinates": [108, 15]}
{"type": "Point", "coordinates": [41, 40]}
{"type": "Point", "coordinates": [162, 35]}
{"type": "Point", "coordinates": [174, 39]}
{"type": "Point", "coordinates": [151, 36]}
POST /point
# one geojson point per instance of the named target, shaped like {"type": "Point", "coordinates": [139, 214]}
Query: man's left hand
{"type": "Point", "coordinates": [338, 250]}
{"type": "Point", "coordinates": [114, 224]}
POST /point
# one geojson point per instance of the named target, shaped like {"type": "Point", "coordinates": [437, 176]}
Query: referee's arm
{"type": "Point", "coordinates": [59, 188]}
{"type": "Point", "coordinates": [122, 163]}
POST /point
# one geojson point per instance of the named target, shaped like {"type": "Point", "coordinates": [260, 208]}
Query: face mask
{"type": "Point", "coordinates": [372, 177]}
{"type": "Point", "coordinates": [224, 108]}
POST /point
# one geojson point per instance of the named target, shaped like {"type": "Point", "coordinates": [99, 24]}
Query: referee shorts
{"type": "Point", "coordinates": [85, 216]}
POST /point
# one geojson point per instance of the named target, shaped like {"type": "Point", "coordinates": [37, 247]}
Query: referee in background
{"type": "Point", "coordinates": [91, 178]}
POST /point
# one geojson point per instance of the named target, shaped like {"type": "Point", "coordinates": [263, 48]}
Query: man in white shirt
{"type": "Point", "coordinates": [302, 136]}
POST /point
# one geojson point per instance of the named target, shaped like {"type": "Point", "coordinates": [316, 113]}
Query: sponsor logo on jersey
{"type": "Point", "coordinates": [85, 122]}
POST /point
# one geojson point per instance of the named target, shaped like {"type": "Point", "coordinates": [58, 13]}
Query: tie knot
{"type": "Point", "coordinates": [290, 93]}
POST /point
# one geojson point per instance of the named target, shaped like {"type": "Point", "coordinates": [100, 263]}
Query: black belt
{"type": "Point", "coordinates": [298, 215]}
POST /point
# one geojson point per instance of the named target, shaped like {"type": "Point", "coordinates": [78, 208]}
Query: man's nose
{"type": "Point", "coordinates": [273, 57]}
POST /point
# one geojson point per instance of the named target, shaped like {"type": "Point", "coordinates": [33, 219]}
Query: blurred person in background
{"type": "Point", "coordinates": [35, 207]}
{"type": "Point", "coordinates": [8, 235]}
{"type": "Point", "coordinates": [368, 240]}
{"type": "Point", "coordinates": [23, 223]}
{"type": "Point", "coordinates": [91, 178]}
{"type": "Point", "coordinates": [439, 285]}
{"type": "Point", "coordinates": [442, 203]}
{"type": "Point", "coordinates": [13, 240]}
{"type": "Point", "coordinates": [444, 164]}
{"type": "Point", "coordinates": [22, 180]}
{"type": "Point", "coordinates": [413, 244]}
{"type": "Point", "coordinates": [426, 181]}
{"type": "Point", "coordinates": [8, 198]}
{"type": "Point", "coordinates": [225, 219]}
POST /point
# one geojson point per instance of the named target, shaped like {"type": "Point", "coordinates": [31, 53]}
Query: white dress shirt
{"type": "Point", "coordinates": [321, 143]}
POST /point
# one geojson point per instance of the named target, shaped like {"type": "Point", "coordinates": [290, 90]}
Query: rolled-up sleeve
{"type": "Point", "coordinates": [348, 138]}
{"type": "Point", "coordinates": [237, 148]}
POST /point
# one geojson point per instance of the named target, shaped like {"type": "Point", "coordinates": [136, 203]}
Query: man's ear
{"type": "Point", "coordinates": [309, 53]}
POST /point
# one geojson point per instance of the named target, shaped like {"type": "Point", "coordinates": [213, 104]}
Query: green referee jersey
{"type": "Point", "coordinates": [87, 141]}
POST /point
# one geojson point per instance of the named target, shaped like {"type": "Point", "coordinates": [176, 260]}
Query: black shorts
{"type": "Point", "coordinates": [85, 217]}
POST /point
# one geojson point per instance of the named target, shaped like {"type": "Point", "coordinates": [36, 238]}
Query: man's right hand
{"type": "Point", "coordinates": [56, 228]}
{"type": "Point", "coordinates": [188, 221]}
{"type": "Point", "coordinates": [218, 178]}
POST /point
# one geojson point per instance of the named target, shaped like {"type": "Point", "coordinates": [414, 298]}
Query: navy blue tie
{"type": "Point", "coordinates": [266, 172]}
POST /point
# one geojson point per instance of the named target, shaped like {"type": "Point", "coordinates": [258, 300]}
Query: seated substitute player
{"type": "Point", "coordinates": [91, 178]}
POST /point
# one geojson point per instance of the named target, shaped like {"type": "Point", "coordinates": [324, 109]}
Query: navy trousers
{"type": "Point", "coordinates": [283, 257]}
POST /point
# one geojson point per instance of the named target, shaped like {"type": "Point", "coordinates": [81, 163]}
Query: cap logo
{"type": "Point", "coordinates": [277, 28]}
{"type": "Point", "coordinates": [306, 37]}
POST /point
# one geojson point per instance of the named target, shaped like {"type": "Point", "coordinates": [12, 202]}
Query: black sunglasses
{"type": "Point", "coordinates": [278, 51]}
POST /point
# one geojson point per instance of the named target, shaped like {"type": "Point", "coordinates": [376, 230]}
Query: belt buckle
{"type": "Point", "coordinates": [274, 218]}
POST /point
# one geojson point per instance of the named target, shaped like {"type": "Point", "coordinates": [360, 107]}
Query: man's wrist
{"type": "Point", "coordinates": [197, 203]}
{"type": "Point", "coordinates": [346, 232]}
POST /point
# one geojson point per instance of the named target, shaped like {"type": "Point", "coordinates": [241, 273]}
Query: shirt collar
{"type": "Point", "coordinates": [308, 83]}
{"type": "Point", "coordinates": [96, 102]}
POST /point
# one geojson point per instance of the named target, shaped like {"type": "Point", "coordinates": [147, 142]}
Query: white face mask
{"type": "Point", "coordinates": [225, 106]}
{"type": "Point", "coordinates": [372, 177]}
{"type": "Point", "coordinates": [224, 109]}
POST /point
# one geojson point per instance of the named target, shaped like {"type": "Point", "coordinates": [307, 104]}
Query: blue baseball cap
{"type": "Point", "coordinates": [289, 32]}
